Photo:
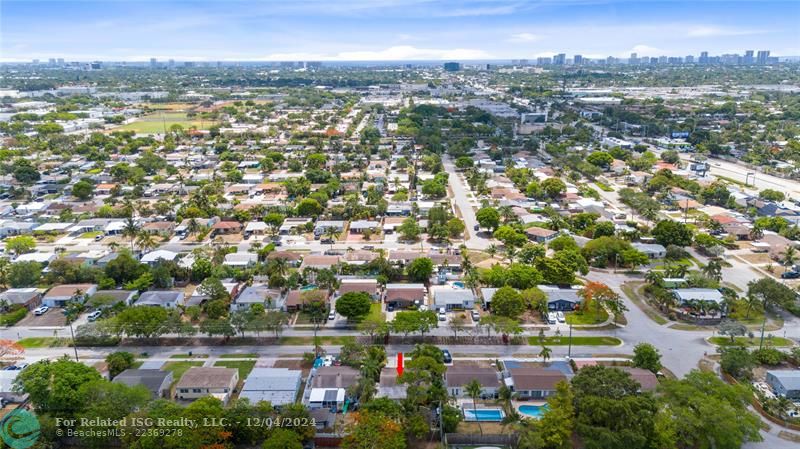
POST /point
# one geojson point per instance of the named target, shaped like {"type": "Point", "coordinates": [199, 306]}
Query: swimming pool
{"type": "Point", "coordinates": [458, 284]}
{"type": "Point", "coordinates": [534, 411]}
{"type": "Point", "coordinates": [483, 414]}
{"type": "Point", "coordinates": [306, 288]}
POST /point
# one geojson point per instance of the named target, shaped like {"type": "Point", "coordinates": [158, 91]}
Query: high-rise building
{"type": "Point", "coordinates": [60, 61]}
{"type": "Point", "coordinates": [153, 62]}
{"type": "Point", "coordinates": [560, 59]}
{"type": "Point", "coordinates": [689, 59]}
{"type": "Point", "coordinates": [96, 65]}
{"type": "Point", "coordinates": [51, 61]}
{"type": "Point", "coordinates": [762, 56]}
{"type": "Point", "coordinates": [171, 63]}
{"type": "Point", "coordinates": [703, 58]}
{"type": "Point", "coordinates": [36, 61]}
{"type": "Point", "coordinates": [544, 60]}
{"type": "Point", "coordinates": [578, 59]}
{"type": "Point", "coordinates": [523, 62]}
{"type": "Point", "coordinates": [452, 66]}
{"type": "Point", "coordinates": [748, 57]}
{"type": "Point", "coordinates": [634, 59]}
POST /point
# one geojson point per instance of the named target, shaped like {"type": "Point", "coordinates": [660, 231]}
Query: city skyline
{"type": "Point", "coordinates": [390, 30]}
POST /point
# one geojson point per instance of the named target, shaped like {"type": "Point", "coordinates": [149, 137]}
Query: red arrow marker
{"type": "Point", "coordinates": [399, 364]}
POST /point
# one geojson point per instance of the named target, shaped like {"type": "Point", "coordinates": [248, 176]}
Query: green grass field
{"type": "Point", "coordinates": [248, 355]}
{"type": "Point", "coordinates": [576, 341]}
{"type": "Point", "coordinates": [587, 317]}
{"type": "Point", "coordinates": [156, 123]}
{"type": "Point", "coordinates": [327, 340]}
{"type": "Point", "coordinates": [43, 342]}
{"type": "Point", "coordinates": [187, 356]}
{"type": "Point", "coordinates": [745, 341]}
{"type": "Point", "coordinates": [179, 368]}
{"type": "Point", "coordinates": [244, 366]}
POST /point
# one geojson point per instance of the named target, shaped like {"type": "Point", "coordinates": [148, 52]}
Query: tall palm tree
{"type": "Point", "coordinates": [473, 389]}
{"type": "Point", "coordinates": [491, 250]}
{"type": "Point", "coordinates": [713, 269]}
{"type": "Point", "coordinates": [146, 241]}
{"type": "Point", "coordinates": [130, 230]}
{"type": "Point", "coordinates": [545, 353]}
{"type": "Point", "coordinates": [333, 234]}
{"type": "Point", "coordinates": [789, 257]}
{"type": "Point", "coordinates": [654, 277]}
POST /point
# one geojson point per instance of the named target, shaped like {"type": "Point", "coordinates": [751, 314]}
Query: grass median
{"type": "Point", "coordinates": [746, 341]}
{"type": "Point", "coordinates": [576, 341]}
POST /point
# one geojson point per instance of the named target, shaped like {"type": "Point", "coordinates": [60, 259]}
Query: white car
{"type": "Point", "coordinates": [94, 315]}
{"type": "Point", "coordinates": [552, 318]}
{"type": "Point", "coordinates": [332, 315]}
{"type": "Point", "coordinates": [476, 316]}
{"type": "Point", "coordinates": [560, 317]}
{"type": "Point", "coordinates": [442, 316]}
{"type": "Point", "coordinates": [40, 310]}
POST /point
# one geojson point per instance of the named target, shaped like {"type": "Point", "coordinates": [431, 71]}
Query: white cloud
{"type": "Point", "coordinates": [643, 50]}
{"type": "Point", "coordinates": [396, 53]}
{"type": "Point", "coordinates": [524, 37]}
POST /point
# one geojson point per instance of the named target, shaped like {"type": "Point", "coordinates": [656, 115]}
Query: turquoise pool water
{"type": "Point", "coordinates": [458, 284]}
{"type": "Point", "coordinates": [484, 414]}
{"type": "Point", "coordinates": [306, 288]}
{"type": "Point", "coordinates": [534, 411]}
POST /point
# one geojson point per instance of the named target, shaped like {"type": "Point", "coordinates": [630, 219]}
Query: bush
{"type": "Point", "coordinates": [13, 317]}
{"type": "Point", "coordinates": [769, 356]}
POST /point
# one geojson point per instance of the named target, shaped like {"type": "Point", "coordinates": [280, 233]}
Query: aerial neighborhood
{"type": "Point", "coordinates": [572, 253]}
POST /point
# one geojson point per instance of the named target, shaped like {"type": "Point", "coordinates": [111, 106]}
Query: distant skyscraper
{"type": "Point", "coordinates": [51, 61]}
{"type": "Point", "coordinates": [35, 61]}
{"type": "Point", "coordinates": [689, 59]}
{"type": "Point", "coordinates": [60, 61]}
{"type": "Point", "coordinates": [560, 59]}
{"type": "Point", "coordinates": [578, 59]}
{"type": "Point", "coordinates": [748, 57]}
{"type": "Point", "coordinates": [703, 58]}
{"type": "Point", "coordinates": [523, 62]}
{"type": "Point", "coordinates": [544, 60]}
{"type": "Point", "coordinates": [96, 65]}
{"type": "Point", "coordinates": [762, 57]}
{"type": "Point", "coordinates": [452, 66]}
{"type": "Point", "coordinates": [171, 63]}
{"type": "Point", "coordinates": [153, 62]}
{"type": "Point", "coordinates": [634, 59]}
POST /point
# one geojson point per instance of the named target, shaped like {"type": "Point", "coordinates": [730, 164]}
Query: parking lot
{"type": "Point", "coordinates": [53, 318]}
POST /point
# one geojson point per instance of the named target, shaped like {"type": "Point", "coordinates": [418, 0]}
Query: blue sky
{"type": "Point", "coordinates": [389, 29]}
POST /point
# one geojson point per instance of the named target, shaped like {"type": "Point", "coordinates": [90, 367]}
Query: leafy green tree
{"type": "Point", "coordinates": [600, 159]}
{"type": "Point", "coordinates": [646, 356]}
{"type": "Point", "coordinates": [508, 302]}
{"type": "Point", "coordinates": [140, 322]}
{"type": "Point", "coordinates": [488, 218]}
{"type": "Point", "coordinates": [309, 207]}
{"type": "Point", "coordinates": [282, 438]}
{"type": "Point", "coordinates": [109, 401]}
{"type": "Point", "coordinates": [119, 362]}
{"type": "Point", "coordinates": [20, 244]}
{"type": "Point", "coordinates": [670, 232]}
{"type": "Point", "coordinates": [553, 187]}
{"type": "Point", "coordinates": [54, 386]}
{"type": "Point", "coordinates": [24, 274]}
{"type": "Point", "coordinates": [707, 412]}
{"type": "Point", "coordinates": [354, 305]}
{"type": "Point", "coordinates": [421, 269]}
{"type": "Point", "coordinates": [83, 190]}
{"type": "Point", "coordinates": [510, 236]}
{"type": "Point", "coordinates": [737, 361]}
{"type": "Point", "coordinates": [409, 229]}
{"type": "Point", "coordinates": [373, 430]}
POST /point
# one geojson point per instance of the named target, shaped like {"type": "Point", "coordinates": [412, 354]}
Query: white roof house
{"type": "Point", "coordinates": [36, 257]}
{"type": "Point", "coordinates": [685, 295]}
{"type": "Point", "coordinates": [278, 386]}
{"type": "Point", "coordinates": [240, 259]}
{"type": "Point", "coordinates": [160, 254]}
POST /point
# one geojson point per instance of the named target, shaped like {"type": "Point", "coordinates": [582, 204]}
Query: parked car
{"type": "Point", "coordinates": [560, 317]}
{"type": "Point", "coordinates": [332, 315]}
{"type": "Point", "coordinates": [476, 228]}
{"type": "Point", "coordinates": [327, 241]}
{"type": "Point", "coordinates": [99, 237]}
{"type": "Point", "coordinates": [446, 357]}
{"type": "Point", "coordinates": [476, 316]}
{"type": "Point", "coordinates": [442, 316]}
{"type": "Point", "coordinates": [390, 308]}
{"type": "Point", "coordinates": [368, 247]}
{"type": "Point", "coordinates": [94, 315]}
{"type": "Point", "coordinates": [40, 310]}
{"type": "Point", "coordinates": [552, 318]}
{"type": "Point", "coordinates": [790, 275]}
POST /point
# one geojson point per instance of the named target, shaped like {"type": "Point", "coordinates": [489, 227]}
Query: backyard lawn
{"type": "Point", "coordinates": [43, 342]}
{"type": "Point", "coordinates": [178, 368]}
{"type": "Point", "coordinates": [244, 366]}
{"type": "Point", "coordinates": [375, 313]}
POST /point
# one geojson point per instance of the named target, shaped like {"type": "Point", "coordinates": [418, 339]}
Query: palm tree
{"type": "Point", "coordinates": [713, 269]}
{"type": "Point", "coordinates": [510, 253]}
{"type": "Point", "coordinates": [545, 353]}
{"type": "Point", "coordinates": [491, 250]}
{"type": "Point", "coordinates": [654, 277]}
{"type": "Point", "coordinates": [146, 241]}
{"type": "Point", "coordinates": [474, 389]}
{"type": "Point", "coordinates": [332, 233]}
{"type": "Point", "coordinates": [789, 257]}
{"type": "Point", "coordinates": [193, 226]}
{"type": "Point", "coordinates": [130, 230]}
{"type": "Point", "coordinates": [750, 303]}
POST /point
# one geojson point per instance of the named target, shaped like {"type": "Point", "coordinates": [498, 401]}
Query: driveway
{"type": "Point", "coordinates": [462, 201]}
{"type": "Point", "coordinates": [53, 318]}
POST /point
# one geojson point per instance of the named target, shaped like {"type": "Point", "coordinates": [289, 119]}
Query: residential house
{"type": "Point", "coordinates": [360, 226]}
{"type": "Point", "coordinates": [258, 294]}
{"type": "Point", "coordinates": [278, 386]}
{"type": "Point", "coordinates": [240, 260]}
{"type": "Point", "coordinates": [30, 297]}
{"type": "Point", "coordinates": [688, 295]}
{"type": "Point", "coordinates": [120, 296]}
{"type": "Point", "coordinates": [59, 295]}
{"type": "Point", "coordinates": [453, 299]}
{"type": "Point", "coordinates": [389, 387]}
{"type": "Point", "coordinates": [533, 382]}
{"type": "Point", "coordinates": [198, 382]}
{"type": "Point", "coordinates": [154, 257]}
{"type": "Point", "coordinates": [645, 378]}
{"type": "Point", "coordinates": [785, 383]}
{"type": "Point", "coordinates": [322, 227]}
{"type": "Point", "coordinates": [405, 295]}
{"type": "Point", "coordinates": [329, 385]}
{"type": "Point", "coordinates": [292, 259]}
{"type": "Point", "coordinates": [561, 298]}
{"type": "Point", "coordinates": [319, 261]}
{"type": "Point", "coordinates": [296, 301]}
{"type": "Point", "coordinates": [540, 235]}
{"type": "Point", "coordinates": [161, 298]}
{"type": "Point", "coordinates": [458, 376]}
{"type": "Point", "coordinates": [366, 285]}
{"type": "Point", "coordinates": [653, 250]}
{"type": "Point", "coordinates": [7, 391]}
{"type": "Point", "coordinates": [158, 382]}
{"type": "Point", "coordinates": [226, 228]}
